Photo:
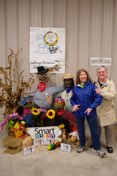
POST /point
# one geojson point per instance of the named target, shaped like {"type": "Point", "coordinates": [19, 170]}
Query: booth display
{"type": "Point", "coordinates": [34, 120]}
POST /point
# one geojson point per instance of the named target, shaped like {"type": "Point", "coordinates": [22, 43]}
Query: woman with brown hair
{"type": "Point", "coordinates": [84, 101]}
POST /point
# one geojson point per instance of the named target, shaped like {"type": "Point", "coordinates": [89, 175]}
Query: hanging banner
{"type": "Point", "coordinates": [47, 48]}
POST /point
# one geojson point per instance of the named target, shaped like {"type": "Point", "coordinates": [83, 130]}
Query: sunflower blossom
{"type": "Point", "coordinates": [50, 114]}
{"type": "Point", "coordinates": [61, 126]}
{"type": "Point", "coordinates": [35, 111]}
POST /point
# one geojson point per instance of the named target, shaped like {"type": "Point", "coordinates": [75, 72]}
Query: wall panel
{"type": "Point", "coordinates": [35, 13]}
{"type": "Point", "coordinates": [47, 13]}
{"type": "Point", "coordinates": [35, 21]}
{"type": "Point", "coordinates": [113, 71]}
{"type": "Point", "coordinates": [2, 33]}
{"type": "Point", "coordinates": [72, 37]}
{"type": "Point", "coordinates": [59, 21]}
{"type": "Point", "coordinates": [96, 31]}
{"type": "Point", "coordinates": [83, 50]}
{"type": "Point", "coordinates": [107, 28]}
{"type": "Point", "coordinates": [11, 24]}
{"type": "Point", "coordinates": [23, 35]}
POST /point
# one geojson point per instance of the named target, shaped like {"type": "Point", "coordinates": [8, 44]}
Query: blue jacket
{"type": "Point", "coordinates": [86, 97]}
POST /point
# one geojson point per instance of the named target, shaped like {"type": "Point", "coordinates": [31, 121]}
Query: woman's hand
{"type": "Point", "coordinates": [75, 108]}
{"type": "Point", "coordinates": [88, 111]}
{"type": "Point", "coordinates": [98, 90]}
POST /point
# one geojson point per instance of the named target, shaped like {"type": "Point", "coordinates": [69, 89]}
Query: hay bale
{"type": "Point", "coordinates": [12, 144]}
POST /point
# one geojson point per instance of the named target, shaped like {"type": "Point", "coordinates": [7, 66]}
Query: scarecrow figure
{"type": "Point", "coordinates": [42, 73]}
{"type": "Point", "coordinates": [68, 82]}
{"type": "Point", "coordinates": [44, 95]}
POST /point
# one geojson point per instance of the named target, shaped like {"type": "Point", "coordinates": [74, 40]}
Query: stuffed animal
{"type": "Point", "coordinates": [73, 139]}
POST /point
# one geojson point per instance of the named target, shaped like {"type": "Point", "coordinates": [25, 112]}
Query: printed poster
{"type": "Point", "coordinates": [47, 48]}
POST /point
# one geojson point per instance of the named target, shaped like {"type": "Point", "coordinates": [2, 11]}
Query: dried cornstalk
{"type": "Point", "coordinates": [12, 84]}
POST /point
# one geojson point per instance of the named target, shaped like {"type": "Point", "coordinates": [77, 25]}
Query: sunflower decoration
{"type": "Point", "coordinates": [50, 114]}
{"type": "Point", "coordinates": [35, 111]}
{"type": "Point", "coordinates": [61, 126]}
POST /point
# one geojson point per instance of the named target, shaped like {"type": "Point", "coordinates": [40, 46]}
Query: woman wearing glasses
{"type": "Point", "coordinates": [106, 112]}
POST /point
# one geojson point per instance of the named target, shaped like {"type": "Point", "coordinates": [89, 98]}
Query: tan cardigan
{"type": "Point", "coordinates": [106, 112]}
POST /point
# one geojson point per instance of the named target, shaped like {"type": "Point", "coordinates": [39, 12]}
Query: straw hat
{"type": "Point", "coordinates": [68, 76]}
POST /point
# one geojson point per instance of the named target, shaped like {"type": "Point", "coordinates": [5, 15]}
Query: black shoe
{"type": "Point", "coordinates": [109, 149]}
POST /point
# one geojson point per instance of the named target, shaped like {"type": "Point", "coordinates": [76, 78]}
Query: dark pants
{"type": "Point", "coordinates": [93, 126]}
